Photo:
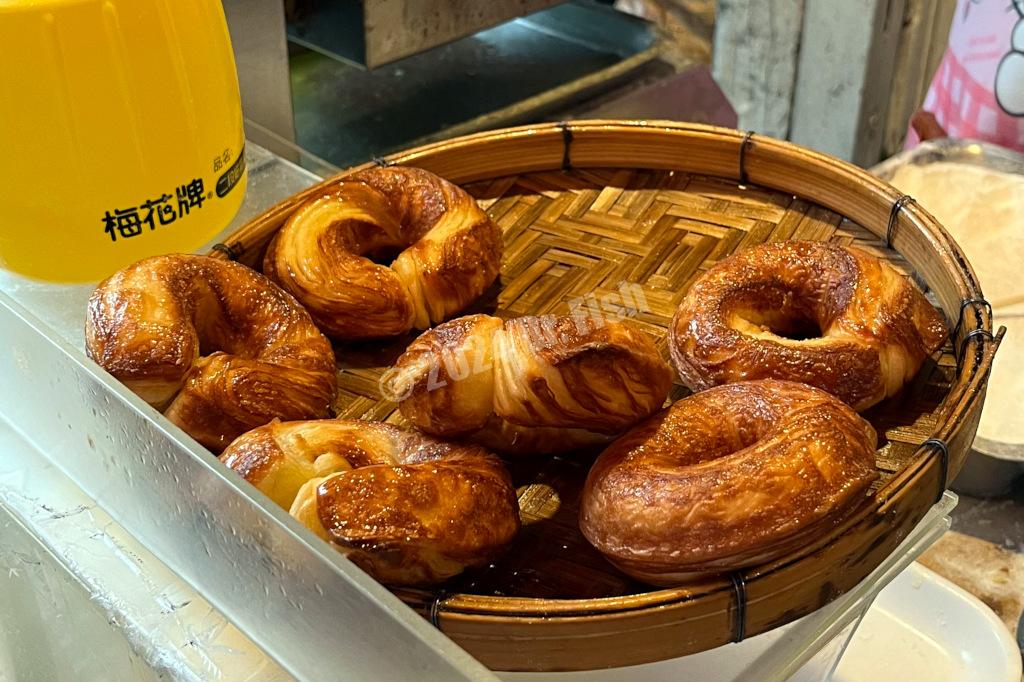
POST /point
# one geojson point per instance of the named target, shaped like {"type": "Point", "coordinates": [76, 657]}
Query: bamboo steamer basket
{"type": "Point", "coordinates": [589, 205]}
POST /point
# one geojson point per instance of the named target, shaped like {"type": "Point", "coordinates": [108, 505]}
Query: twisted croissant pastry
{"type": "Point", "coordinates": [727, 478]}
{"type": "Point", "coordinates": [405, 507]}
{"type": "Point", "coordinates": [451, 252]}
{"type": "Point", "coordinates": [218, 347]}
{"type": "Point", "coordinates": [825, 315]}
{"type": "Point", "coordinates": [532, 384]}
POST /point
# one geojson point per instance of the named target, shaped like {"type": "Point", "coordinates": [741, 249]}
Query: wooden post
{"type": "Point", "coordinates": [755, 56]}
{"type": "Point", "coordinates": [922, 43]}
{"type": "Point", "coordinates": [841, 76]}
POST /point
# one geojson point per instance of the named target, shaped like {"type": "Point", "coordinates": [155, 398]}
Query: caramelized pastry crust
{"type": "Point", "coordinates": [730, 477]}
{"type": "Point", "coordinates": [450, 253]}
{"type": "Point", "coordinates": [830, 316]}
{"type": "Point", "coordinates": [405, 507]}
{"type": "Point", "coordinates": [216, 346]}
{"type": "Point", "coordinates": [532, 384]}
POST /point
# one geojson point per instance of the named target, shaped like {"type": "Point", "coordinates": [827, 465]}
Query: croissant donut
{"type": "Point", "coordinates": [220, 348]}
{"type": "Point", "coordinates": [532, 384]}
{"type": "Point", "coordinates": [825, 315]}
{"type": "Point", "coordinates": [405, 507]}
{"type": "Point", "coordinates": [322, 254]}
{"type": "Point", "coordinates": [730, 477]}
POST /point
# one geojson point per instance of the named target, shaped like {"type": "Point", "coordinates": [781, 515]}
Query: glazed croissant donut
{"type": "Point", "coordinates": [451, 253]}
{"type": "Point", "coordinates": [405, 507]}
{"type": "Point", "coordinates": [219, 347]}
{"type": "Point", "coordinates": [730, 477]}
{"type": "Point", "coordinates": [825, 315]}
{"type": "Point", "coordinates": [529, 385]}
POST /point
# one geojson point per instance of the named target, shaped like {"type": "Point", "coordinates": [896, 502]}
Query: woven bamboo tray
{"type": "Point", "coordinates": [588, 206]}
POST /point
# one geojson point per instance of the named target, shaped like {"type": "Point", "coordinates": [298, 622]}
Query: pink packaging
{"type": "Point", "coordinates": [978, 89]}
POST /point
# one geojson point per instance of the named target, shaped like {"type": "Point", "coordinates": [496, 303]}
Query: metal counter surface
{"type": "Point", "coordinates": [146, 592]}
{"type": "Point", "coordinates": [123, 504]}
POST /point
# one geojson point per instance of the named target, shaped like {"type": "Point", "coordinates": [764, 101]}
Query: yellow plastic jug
{"type": "Point", "coordinates": [120, 133]}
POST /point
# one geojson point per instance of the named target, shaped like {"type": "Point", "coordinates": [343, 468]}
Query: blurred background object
{"type": "Point", "coordinates": [348, 80]}
{"type": "Point", "coordinates": [841, 76]}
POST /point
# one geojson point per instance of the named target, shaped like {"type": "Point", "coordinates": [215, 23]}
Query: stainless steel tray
{"type": "Point", "coordinates": [256, 576]}
{"type": "Point", "coordinates": [305, 605]}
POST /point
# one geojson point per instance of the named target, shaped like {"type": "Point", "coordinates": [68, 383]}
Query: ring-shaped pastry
{"type": "Point", "coordinates": [530, 385]}
{"type": "Point", "coordinates": [830, 316]}
{"type": "Point", "coordinates": [407, 508]}
{"type": "Point", "coordinates": [729, 477]}
{"type": "Point", "coordinates": [215, 345]}
{"type": "Point", "coordinates": [449, 253]}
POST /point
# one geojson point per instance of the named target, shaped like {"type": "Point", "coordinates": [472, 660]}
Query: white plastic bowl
{"type": "Point", "coordinates": [923, 627]}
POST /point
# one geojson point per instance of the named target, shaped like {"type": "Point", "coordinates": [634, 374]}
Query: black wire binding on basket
{"type": "Point", "coordinates": [964, 304]}
{"type": "Point", "coordinates": [739, 586]}
{"type": "Point", "coordinates": [226, 250]}
{"type": "Point", "coordinates": [897, 206]}
{"type": "Point", "coordinates": [435, 609]}
{"type": "Point", "coordinates": [381, 162]}
{"type": "Point", "coordinates": [943, 449]}
{"type": "Point", "coordinates": [566, 144]}
{"type": "Point", "coordinates": [963, 344]}
{"type": "Point", "coordinates": [747, 142]}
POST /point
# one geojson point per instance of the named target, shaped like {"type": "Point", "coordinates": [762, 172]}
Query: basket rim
{"type": "Point", "coordinates": [971, 370]}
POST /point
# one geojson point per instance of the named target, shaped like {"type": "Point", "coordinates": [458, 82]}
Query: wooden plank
{"type": "Point", "coordinates": [921, 45]}
{"type": "Point", "coordinates": [842, 76]}
{"type": "Point", "coordinates": [945, 9]}
{"type": "Point", "coordinates": [755, 58]}
{"type": "Point", "coordinates": [400, 28]}
{"type": "Point", "coordinates": [844, 73]}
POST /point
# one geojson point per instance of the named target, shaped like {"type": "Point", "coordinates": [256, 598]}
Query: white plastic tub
{"type": "Point", "coordinates": [923, 627]}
